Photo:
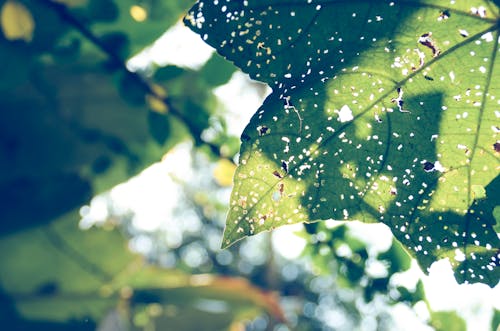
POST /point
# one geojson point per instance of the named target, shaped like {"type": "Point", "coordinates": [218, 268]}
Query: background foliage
{"type": "Point", "coordinates": [76, 121]}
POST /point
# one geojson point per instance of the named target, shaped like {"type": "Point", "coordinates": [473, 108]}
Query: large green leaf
{"type": "Point", "coordinates": [381, 111]}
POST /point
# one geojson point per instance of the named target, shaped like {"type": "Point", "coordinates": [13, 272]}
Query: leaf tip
{"type": "Point", "coordinates": [230, 236]}
{"type": "Point", "coordinates": [229, 240]}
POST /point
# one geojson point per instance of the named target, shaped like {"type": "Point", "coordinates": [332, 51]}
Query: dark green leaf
{"type": "Point", "coordinates": [132, 89]}
{"type": "Point", "coordinates": [39, 193]}
{"type": "Point", "coordinates": [101, 164]}
{"type": "Point", "coordinates": [67, 49]}
{"type": "Point", "coordinates": [19, 59]}
{"type": "Point", "coordinates": [217, 71]}
{"type": "Point", "coordinates": [102, 10]}
{"type": "Point", "coordinates": [198, 115]}
{"type": "Point", "coordinates": [159, 127]}
{"type": "Point", "coordinates": [117, 42]}
{"type": "Point", "coordinates": [164, 74]}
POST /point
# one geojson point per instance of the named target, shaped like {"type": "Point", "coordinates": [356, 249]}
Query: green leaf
{"type": "Point", "coordinates": [44, 190]}
{"type": "Point", "coordinates": [168, 73]}
{"type": "Point", "coordinates": [381, 112]}
{"type": "Point", "coordinates": [396, 257]}
{"type": "Point", "coordinates": [45, 266]}
{"type": "Point", "coordinates": [217, 71]}
{"type": "Point", "coordinates": [19, 59]}
{"type": "Point", "coordinates": [446, 320]}
{"type": "Point", "coordinates": [132, 89]}
{"type": "Point", "coordinates": [495, 321]}
{"type": "Point", "coordinates": [116, 42]}
{"type": "Point", "coordinates": [159, 127]}
{"type": "Point", "coordinates": [103, 10]}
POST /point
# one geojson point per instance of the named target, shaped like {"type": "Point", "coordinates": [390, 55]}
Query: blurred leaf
{"type": "Point", "coordinates": [103, 10]}
{"type": "Point", "coordinates": [16, 21]}
{"type": "Point", "coordinates": [167, 73]}
{"type": "Point", "coordinates": [370, 119]}
{"type": "Point", "coordinates": [217, 70]}
{"type": "Point", "coordinates": [447, 320]}
{"type": "Point", "coordinates": [397, 258]}
{"type": "Point", "coordinates": [43, 192]}
{"type": "Point", "coordinates": [412, 296]}
{"type": "Point", "coordinates": [75, 263]}
{"type": "Point", "coordinates": [101, 164]}
{"type": "Point", "coordinates": [131, 89]}
{"type": "Point", "coordinates": [495, 322]}
{"type": "Point", "coordinates": [67, 49]}
{"type": "Point", "coordinates": [58, 273]}
{"type": "Point", "coordinates": [19, 60]}
{"type": "Point", "coordinates": [117, 42]}
{"type": "Point", "coordinates": [229, 145]}
{"type": "Point", "coordinates": [70, 123]}
{"type": "Point", "coordinates": [159, 127]}
{"type": "Point", "coordinates": [198, 115]}
{"type": "Point", "coordinates": [50, 26]}
{"type": "Point", "coordinates": [224, 172]}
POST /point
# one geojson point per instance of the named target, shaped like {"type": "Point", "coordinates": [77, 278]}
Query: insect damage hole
{"type": "Point", "coordinates": [399, 101]}
{"type": "Point", "coordinates": [428, 42]}
{"type": "Point", "coordinates": [284, 166]}
{"type": "Point", "coordinates": [263, 130]}
{"type": "Point", "coordinates": [429, 166]}
{"type": "Point", "coordinates": [277, 195]}
{"type": "Point", "coordinates": [443, 15]}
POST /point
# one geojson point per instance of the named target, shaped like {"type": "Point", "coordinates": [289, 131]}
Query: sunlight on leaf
{"type": "Point", "coordinates": [381, 112]}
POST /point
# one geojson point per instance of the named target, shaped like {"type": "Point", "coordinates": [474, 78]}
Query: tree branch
{"type": "Point", "coordinates": [118, 62]}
